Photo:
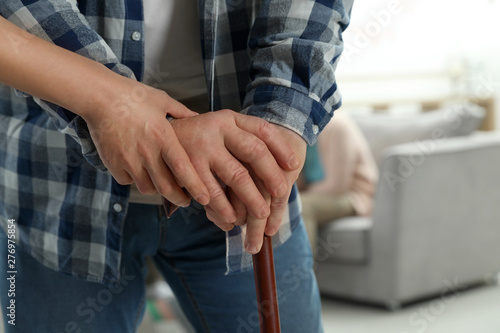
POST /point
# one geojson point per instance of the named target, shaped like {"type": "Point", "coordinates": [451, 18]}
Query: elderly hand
{"type": "Point", "coordinates": [223, 146]}
{"type": "Point", "coordinates": [256, 227]}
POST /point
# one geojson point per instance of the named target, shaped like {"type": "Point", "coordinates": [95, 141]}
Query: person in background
{"type": "Point", "coordinates": [339, 176]}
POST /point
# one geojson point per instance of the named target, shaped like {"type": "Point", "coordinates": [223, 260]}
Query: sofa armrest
{"type": "Point", "coordinates": [437, 210]}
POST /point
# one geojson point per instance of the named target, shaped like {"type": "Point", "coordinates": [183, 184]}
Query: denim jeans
{"type": "Point", "coordinates": [189, 251]}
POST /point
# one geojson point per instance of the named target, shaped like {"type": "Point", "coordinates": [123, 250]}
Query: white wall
{"type": "Point", "coordinates": [421, 49]}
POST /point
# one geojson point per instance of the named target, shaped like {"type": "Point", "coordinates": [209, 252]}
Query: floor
{"type": "Point", "coordinates": [472, 311]}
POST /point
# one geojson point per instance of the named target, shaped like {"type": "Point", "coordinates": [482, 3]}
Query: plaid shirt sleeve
{"type": "Point", "coordinates": [60, 22]}
{"type": "Point", "coordinates": [294, 48]}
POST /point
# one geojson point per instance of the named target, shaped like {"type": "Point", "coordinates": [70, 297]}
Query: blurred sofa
{"type": "Point", "coordinates": [435, 224]}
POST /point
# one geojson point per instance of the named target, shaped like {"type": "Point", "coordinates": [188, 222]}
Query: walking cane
{"type": "Point", "coordinates": [265, 285]}
{"type": "Point", "coordinates": [265, 281]}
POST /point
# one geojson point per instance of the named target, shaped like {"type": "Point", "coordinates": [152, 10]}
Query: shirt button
{"type": "Point", "coordinates": [136, 36]}
{"type": "Point", "coordinates": [315, 129]}
{"type": "Point", "coordinates": [117, 207]}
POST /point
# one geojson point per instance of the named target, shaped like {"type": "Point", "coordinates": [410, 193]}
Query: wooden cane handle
{"type": "Point", "coordinates": [265, 285]}
{"type": "Point", "coordinates": [169, 207]}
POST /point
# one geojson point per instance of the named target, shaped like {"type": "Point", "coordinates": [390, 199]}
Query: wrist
{"type": "Point", "coordinates": [105, 92]}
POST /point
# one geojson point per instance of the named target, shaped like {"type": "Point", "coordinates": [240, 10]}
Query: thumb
{"type": "Point", "coordinates": [178, 111]}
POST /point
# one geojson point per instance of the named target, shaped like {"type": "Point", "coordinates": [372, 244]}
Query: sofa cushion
{"type": "Point", "coordinates": [345, 240]}
{"type": "Point", "coordinates": [385, 130]}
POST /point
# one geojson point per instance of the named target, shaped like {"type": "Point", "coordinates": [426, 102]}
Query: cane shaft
{"type": "Point", "coordinates": [265, 281]}
{"type": "Point", "coordinates": [265, 285]}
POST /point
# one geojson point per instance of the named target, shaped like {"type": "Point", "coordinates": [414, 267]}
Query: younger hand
{"type": "Point", "coordinates": [137, 144]}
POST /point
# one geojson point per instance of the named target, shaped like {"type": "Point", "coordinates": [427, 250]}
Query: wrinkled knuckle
{"type": "Point", "coordinates": [279, 204]}
{"type": "Point", "coordinates": [239, 177]}
{"type": "Point", "coordinates": [216, 192]}
{"type": "Point", "coordinates": [257, 150]}
{"type": "Point", "coordinates": [254, 234]}
{"type": "Point", "coordinates": [266, 130]}
{"type": "Point", "coordinates": [178, 167]}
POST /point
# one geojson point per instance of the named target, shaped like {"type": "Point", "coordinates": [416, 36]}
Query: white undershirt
{"type": "Point", "coordinates": [172, 59]}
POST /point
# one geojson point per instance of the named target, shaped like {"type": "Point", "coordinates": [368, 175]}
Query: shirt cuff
{"type": "Point", "coordinates": [289, 108]}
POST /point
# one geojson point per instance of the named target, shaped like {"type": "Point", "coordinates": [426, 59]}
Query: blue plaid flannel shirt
{"type": "Point", "coordinates": [273, 59]}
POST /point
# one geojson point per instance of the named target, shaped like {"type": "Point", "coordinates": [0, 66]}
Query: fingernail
{"type": "Point", "coordinates": [226, 226]}
{"type": "Point", "coordinates": [252, 249]}
{"type": "Point", "coordinates": [232, 218]}
{"type": "Point", "coordinates": [185, 204]}
{"type": "Point", "coordinates": [202, 199]}
{"type": "Point", "coordinates": [270, 231]}
{"type": "Point", "coordinates": [294, 162]}
{"type": "Point", "coordinates": [265, 212]}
